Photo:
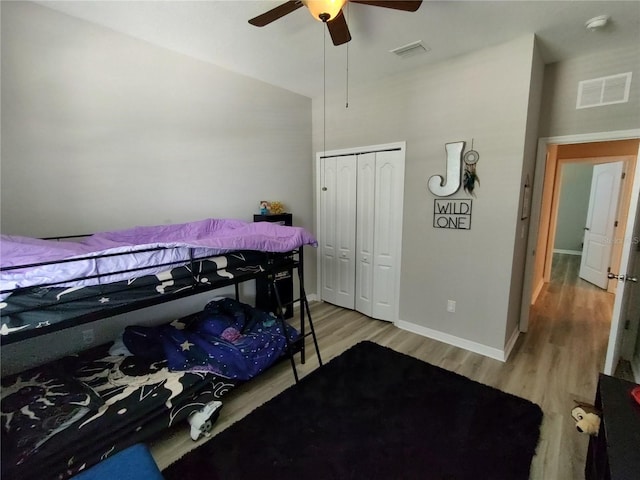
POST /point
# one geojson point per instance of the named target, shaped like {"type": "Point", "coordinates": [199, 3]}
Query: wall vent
{"type": "Point", "coordinates": [411, 49]}
{"type": "Point", "coordinates": [604, 91]}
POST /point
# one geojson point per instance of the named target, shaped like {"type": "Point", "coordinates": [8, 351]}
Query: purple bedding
{"type": "Point", "coordinates": [176, 244]}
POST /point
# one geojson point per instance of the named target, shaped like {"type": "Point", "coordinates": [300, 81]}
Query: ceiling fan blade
{"type": "Point", "coordinates": [339, 30]}
{"type": "Point", "coordinates": [275, 13]}
{"type": "Point", "coordinates": [406, 5]}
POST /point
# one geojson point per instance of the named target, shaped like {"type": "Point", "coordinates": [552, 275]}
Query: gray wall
{"type": "Point", "coordinates": [486, 97]}
{"type": "Point", "coordinates": [102, 131]}
{"type": "Point", "coordinates": [575, 188]}
{"type": "Point", "coordinates": [559, 115]}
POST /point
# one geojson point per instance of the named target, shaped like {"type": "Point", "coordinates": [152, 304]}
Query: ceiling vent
{"type": "Point", "coordinates": [410, 49]}
{"type": "Point", "coordinates": [604, 91]}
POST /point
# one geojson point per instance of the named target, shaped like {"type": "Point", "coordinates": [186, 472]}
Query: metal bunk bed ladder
{"type": "Point", "coordinates": [298, 344]}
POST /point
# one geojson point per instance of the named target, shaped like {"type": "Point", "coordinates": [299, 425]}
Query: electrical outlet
{"type": "Point", "coordinates": [451, 306]}
{"type": "Point", "coordinates": [88, 336]}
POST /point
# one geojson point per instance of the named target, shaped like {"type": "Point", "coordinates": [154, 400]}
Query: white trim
{"type": "Point", "coordinates": [511, 343]}
{"type": "Point", "coordinates": [463, 343]}
{"type": "Point", "coordinates": [616, 331]}
{"type": "Point", "coordinates": [567, 252]}
{"type": "Point", "coordinates": [590, 137]}
{"type": "Point", "coordinates": [536, 202]}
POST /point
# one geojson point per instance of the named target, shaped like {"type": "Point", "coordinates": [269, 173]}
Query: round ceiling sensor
{"type": "Point", "coordinates": [597, 23]}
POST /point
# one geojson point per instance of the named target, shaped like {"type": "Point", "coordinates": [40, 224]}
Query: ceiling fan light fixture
{"type": "Point", "coordinates": [324, 10]}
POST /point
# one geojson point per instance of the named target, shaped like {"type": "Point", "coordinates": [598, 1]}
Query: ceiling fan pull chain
{"type": "Point", "coordinates": [324, 90]}
{"type": "Point", "coordinates": [347, 87]}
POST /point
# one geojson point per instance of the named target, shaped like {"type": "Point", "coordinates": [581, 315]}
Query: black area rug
{"type": "Point", "coordinates": [374, 413]}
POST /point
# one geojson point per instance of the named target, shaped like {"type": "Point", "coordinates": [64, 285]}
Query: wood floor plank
{"type": "Point", "coordinates": [555, 363]}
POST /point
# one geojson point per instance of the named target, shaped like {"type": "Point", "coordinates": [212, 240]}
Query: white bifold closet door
{"type": "Point", "coordinates": [378, 232]}
{"type": "Point", "coordinates": [360, 230]}
{"type": "Point", "coordinates": [337, 240]}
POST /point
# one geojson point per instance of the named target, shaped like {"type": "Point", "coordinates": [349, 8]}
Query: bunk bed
{"type": "Point", "coordinates": [60, 418]}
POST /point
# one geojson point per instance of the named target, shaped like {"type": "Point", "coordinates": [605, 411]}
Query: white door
{"type": "Point", "coordinates": [601, 217]}
{"type": "Point", "coordinates": [365, 222]}
{"type": "Point", "coordinates": [627, 302]}
{"type": "Point", "coordinates": [360, 203]}
{"type": "Point", "coordinates": [327, 234]}
{"type": "Point", "coordinates": [387, 233]}
{"type": "Point", "coordinates": [379, 226]}
{"type": "Point", "coordinates": [337, 235]}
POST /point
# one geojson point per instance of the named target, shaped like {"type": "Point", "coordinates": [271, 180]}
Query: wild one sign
{"type": "Point", "coordinates": [454, 214]}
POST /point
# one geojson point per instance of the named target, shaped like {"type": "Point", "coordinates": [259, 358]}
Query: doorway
{"type": "Point", "coordinates": [552, 153]}
{"type": "Point", "coordinates": [588, 201]}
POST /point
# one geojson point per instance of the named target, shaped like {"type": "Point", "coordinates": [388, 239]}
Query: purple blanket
{"type": "Point", "coordinates": [208, 237]}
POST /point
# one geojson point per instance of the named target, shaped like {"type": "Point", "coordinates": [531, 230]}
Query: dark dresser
{"type": "Point", "coordinates": [265, 298]}
{"type": "Point", "coordinates": [615, 453]}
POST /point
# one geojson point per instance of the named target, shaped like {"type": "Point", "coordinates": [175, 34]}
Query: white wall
{"type": "Point", "coordinates": [102, 131]}
{"type": "Point", "coordinates": [483, 96]}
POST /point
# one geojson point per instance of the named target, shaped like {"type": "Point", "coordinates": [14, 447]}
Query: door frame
{"type": "Point", "coordinates": [616, 333]}
{"type": "Point", "coordinates": [541, 186]}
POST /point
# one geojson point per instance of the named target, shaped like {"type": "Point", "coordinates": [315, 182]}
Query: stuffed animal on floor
{"type": "Point", "coordinates": [202, 421]}
{"type": "Point", "coordinates": [587, 418]}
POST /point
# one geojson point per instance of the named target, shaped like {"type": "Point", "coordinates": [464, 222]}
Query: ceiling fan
{"type": "Point", "coordinates": [330, 12]}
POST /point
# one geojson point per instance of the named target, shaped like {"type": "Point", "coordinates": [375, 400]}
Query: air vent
{"type": "Point", "coordinates": [604, 91]}
{"type": "Point", "coordinates": [411, 49]}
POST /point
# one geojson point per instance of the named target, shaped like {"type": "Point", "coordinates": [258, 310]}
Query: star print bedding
{"type": "Point", "coordinates": [44, 282]}
{"type": "Point", "coordinates": [228, 338]}
{"type": "Point", "coordinates": [65, 416]}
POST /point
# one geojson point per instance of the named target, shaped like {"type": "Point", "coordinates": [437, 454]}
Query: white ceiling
{"type": "Point", "coordinates": [291, 52]}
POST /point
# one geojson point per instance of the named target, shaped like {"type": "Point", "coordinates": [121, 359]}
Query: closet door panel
{"type": "Point", "coordinates": [345, 225]}
{"type": "Point", "coordinates": [389, 187]}
{"type": "Point", "coordinates": [327, 234]}
{"type": "Point", "coordinates": [365, 232]}
{"type": "Point", "coordinates": [360, 229]}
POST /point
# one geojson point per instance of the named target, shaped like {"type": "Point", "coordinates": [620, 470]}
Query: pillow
{"type": "Point", "coordinates": [40, 402]}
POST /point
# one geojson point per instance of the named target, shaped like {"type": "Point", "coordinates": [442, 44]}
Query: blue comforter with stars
{"type": "Point", "coordinates": [228, 338]}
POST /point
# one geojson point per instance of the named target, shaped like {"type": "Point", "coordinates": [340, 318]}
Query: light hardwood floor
{"type": "Point", "coordinates": [556, 362]}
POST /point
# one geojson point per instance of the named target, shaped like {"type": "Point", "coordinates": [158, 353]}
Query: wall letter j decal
{"type": "Point", "coordinates": [445, 187]}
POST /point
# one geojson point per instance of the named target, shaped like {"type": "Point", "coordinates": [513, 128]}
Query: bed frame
{"type": "Point", "coordinates": [267, 268]}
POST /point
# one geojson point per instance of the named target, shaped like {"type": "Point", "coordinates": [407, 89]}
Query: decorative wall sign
{"type": "Point", "coordinates": [445, 187]}
{"type": "Point", "coordinates": [470, 176]}
{"type": "Point", "coordinates": [453, 214]}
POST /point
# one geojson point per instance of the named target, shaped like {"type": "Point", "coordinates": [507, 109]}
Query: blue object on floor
{"type": "Point", "coordinates": [133, 463]}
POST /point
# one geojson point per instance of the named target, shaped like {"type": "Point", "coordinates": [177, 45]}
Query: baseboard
{"type": "Point", "coordinates": [511, 343]}
{"type": "Point", "coordinates": [567, 252]}
{"type": "Point", "coordinates": [474, 347]}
